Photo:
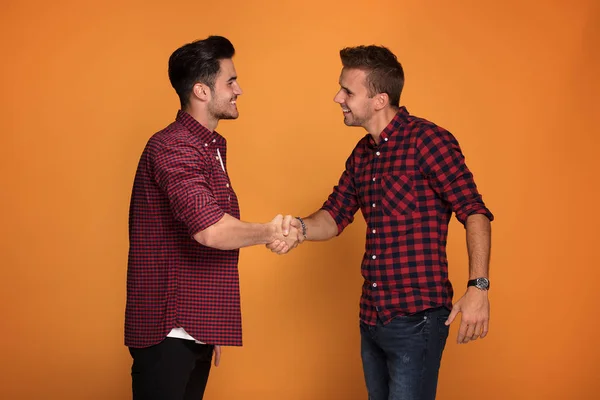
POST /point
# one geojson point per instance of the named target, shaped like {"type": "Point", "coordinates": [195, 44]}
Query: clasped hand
{"type": "Point", "coordinates": [287, 234]}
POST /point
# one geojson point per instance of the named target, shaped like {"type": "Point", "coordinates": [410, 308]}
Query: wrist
{"type": "Point", "coordinates": [270, 232]}
{"type": "Point", "coordinates": [303, 226]}
{"type": "Point", "coordinates": [473, 289]}
{"type": "Point", "coordinates": [481, 283]}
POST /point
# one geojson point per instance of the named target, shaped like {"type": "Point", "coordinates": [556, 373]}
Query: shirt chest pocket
{"type": "Point", "coordinates": [397, 195]}
{"type": "Point", "coordinates": [220, 188]}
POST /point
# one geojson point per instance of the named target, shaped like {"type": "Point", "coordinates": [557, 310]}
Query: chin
{"type": "Point", "coordinates": [229, 116]}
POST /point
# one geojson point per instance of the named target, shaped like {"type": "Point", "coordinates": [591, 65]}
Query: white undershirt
{"type": "Point", "coordinates": [180, 333]}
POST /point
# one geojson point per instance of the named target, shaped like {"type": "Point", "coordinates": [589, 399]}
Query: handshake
{"type": "Point", "coordinates": [287, 234]}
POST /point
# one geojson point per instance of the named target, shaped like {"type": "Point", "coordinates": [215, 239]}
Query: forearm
{"type": "Point", "coordinates": [320, 226]}
{"type": "Point", "coordinates": [230, 233]}
{"type": "Point", "coordinates": [479, 234]}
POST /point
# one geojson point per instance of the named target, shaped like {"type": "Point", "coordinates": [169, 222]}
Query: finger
{"type": "Point", "coordinates": [452, 315]}
{"type": "Point", "coordinates": [277, 244]}
{"type": "Point", "coordinates": [284, 250]}
{"type": "Point", "coordinates": [282, 246]}
{"type": "Point", "coordinates": [273, 245]}
{"type": "Point", "coordinates": [292, 240]}
{"type": "Point", "coordinates": [485, 328]}
{"type": "Point", "coordinates": [477, 331]}
{"type": "Point", "coordinates": [468, 333]}
{"type": "Point", "coordinates": [278, 247]}
{"type": "Point", "coordinates": [300, 237]}
{"type": "Point", "coordinates": [278, 219]}
{"type": "Point", "coordinates": [462, 331]}
{"type": "Point", "coordinates": [217, 350]}
{"type": "Point", "coordinates": [285, 226]}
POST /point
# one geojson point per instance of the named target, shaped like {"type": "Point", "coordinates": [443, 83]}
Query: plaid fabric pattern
{"type": "Point", "coordinates": [407, 188]}
{"type": "Point", "coordinates": [181, 188]}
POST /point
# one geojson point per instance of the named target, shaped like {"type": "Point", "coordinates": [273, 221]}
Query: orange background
{"type": "Point", "coordinates": [85, 85]}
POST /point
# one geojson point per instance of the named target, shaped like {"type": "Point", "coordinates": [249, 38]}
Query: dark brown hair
{"type": "Point", "coordinates": [198, 61]}
{"type": "Point", "coordinates": [384, 72]}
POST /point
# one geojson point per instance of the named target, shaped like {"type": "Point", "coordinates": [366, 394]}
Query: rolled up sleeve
{"type": "Point", "coordinates": [343, 203]}
{"type": "Point", "coordinates": [180, 170]}
{"type": "Point", "coordinates": [442, 162]}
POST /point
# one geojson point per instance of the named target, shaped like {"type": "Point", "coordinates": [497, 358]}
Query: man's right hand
{"type": "Point", "coordinates": [288, 234]}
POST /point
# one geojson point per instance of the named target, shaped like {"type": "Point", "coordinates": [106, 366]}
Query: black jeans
{"type": "Point", "coordinates": [401, 360]}
{"type": "Point", "coordinates": [174, 369]}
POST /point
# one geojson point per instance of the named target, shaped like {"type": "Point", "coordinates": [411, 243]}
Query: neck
{"type": "Point", "coordinates": [203, 117]}
{"type": "Point", "coordinates": [379, 121]}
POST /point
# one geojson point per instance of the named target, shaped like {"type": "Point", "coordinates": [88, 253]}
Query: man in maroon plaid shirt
{"type": "Point", "coordinates": [183, 299]}
{"type": "Point", "coordinates": [407, 176]}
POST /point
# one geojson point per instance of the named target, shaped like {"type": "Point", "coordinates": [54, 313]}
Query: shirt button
{"type": "Point", "coordinates": [227, 185]}
{"type": "Point", "coordinates": [214, 140]}
{"type": "Point", "coordinates": [373, 205]}
{"type": "Point", "coordinates": [386, 139]}
{"type": "Point", "coordinates": [374, 179]}
{"type": "Point", "coordinates": [373, 256]}
{"type": "Point", "coordinates": [205, 144]}
{"type": "Point", "coordinates": [378, 153]}
{"type": "Point", "coordinates": [217, 157]}
{"type": "Point", "coordinates": [374, 231]}
{"type": "Point", "coordinates": [374, 284]}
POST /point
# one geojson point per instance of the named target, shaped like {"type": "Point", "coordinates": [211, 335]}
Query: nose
{"type": "Point", "coordinates": [238, 90]}
{"type": "Point", "coordinates": [339, 97]}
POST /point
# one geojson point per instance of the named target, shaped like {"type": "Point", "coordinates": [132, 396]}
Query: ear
{"type": "Point", "coordinates": [201, 92]}
{"type": "Point", "coordinates": [381, 101]}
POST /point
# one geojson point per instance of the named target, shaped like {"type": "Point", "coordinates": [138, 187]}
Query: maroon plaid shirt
{"type": "Point", "coordinates": [180, 189]}
{"type": "Point", "coordinates": [406, 187]}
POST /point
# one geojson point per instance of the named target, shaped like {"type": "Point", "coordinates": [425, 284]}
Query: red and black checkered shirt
{"type": "Point", "coordinates": [407, 188]}
{"type": "Point", "coordinates": [181, 188]}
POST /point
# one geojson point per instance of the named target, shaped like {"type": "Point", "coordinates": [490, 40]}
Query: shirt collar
{"type": "Point", "coordinates": [393, 128]}
{"type": "Point", "coordinates": [207, 137]}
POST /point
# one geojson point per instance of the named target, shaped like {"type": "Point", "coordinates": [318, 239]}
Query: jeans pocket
{"type": "Point", "coordinates": [443, 330]}
{"type": "Point", "coordinates": [408, 325]}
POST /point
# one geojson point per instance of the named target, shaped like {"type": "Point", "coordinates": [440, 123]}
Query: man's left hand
{"type": "Point", "coordinates": [475, 309]}
{"type": "Point", "coordinates": [217, 351]}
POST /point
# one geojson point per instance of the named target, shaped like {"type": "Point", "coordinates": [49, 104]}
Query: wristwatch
{"type": "Point", "coordinates": [479, 283]}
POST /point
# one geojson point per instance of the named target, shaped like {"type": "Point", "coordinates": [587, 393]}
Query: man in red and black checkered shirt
{"type": "Point", "coordinates": [407, 176]}
{"type": "Point", "coordinates": [183, 299]}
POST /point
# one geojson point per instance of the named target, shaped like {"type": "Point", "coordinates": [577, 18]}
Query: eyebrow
{"type": "Point", "coordinates": [233, 78]}
{"type": "Point", "coordinates": [346, 89]}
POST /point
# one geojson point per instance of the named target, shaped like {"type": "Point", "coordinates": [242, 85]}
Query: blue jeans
{"type": "Point", "coordinates": [401, 360]}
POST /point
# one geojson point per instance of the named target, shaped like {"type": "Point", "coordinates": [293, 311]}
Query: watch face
{"type": "Point", "coordinates": [483, 283]}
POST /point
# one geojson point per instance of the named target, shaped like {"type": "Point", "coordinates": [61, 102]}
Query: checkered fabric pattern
{"type": "Point", "coordinates": [407, 187]}
{"type": "Point", "coordinates": [180, 188]}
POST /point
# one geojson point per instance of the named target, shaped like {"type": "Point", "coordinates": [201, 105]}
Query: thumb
{"type": "Point", "coordinates": [285, 225]}
{"type": "Point", "coordinates": [217, 350]}
{"type": "Point", "coordinates": [452, 315]}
